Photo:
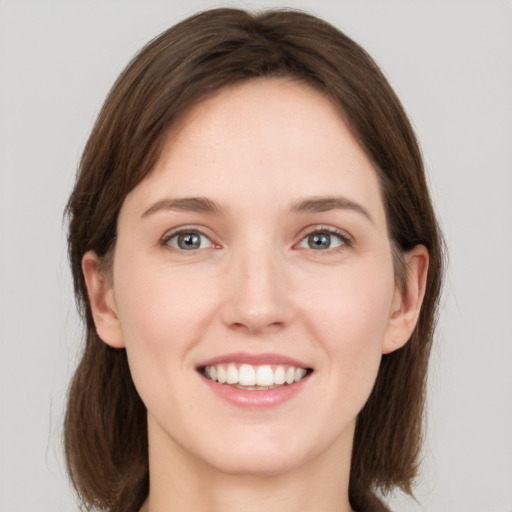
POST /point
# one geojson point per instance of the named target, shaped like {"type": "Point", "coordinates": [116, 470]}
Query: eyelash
{"type": "Point", "coordinates": [344, 238]}
{"type": "Point", "coordinates": [183, 231]}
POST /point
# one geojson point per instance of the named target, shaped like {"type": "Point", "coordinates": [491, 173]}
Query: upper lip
{"type": "Point", "coordinates": [254, 360]}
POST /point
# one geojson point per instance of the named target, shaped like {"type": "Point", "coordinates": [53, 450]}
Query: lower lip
{"type": "Point", "coordinates": [256, 399]}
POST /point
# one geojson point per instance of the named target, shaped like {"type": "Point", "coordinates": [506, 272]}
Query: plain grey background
{"type": "Point", "coordinates": [451, 64]}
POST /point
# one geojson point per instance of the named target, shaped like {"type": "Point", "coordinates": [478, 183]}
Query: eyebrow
{"type": "Point", "coordinates": [308, 205]}
{"type": "Point", "coordinates": [189, 204]}
{"type": "Point", "coordinates": [325, 204]}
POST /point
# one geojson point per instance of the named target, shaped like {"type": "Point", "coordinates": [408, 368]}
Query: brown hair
{"type": "Point", "coordinates": [105, 425]}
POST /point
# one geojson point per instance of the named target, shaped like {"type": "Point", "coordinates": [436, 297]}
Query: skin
{"type": "Point", "coordinates": [255, 285]}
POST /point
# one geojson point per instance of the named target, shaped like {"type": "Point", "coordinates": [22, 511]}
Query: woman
{"type": "Point", "coordinates": [258, 263]}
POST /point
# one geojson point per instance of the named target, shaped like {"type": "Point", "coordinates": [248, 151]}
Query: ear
{"type": "Point", "coordinates": [101, 298]}
{"type": "Point", "coordinates": [406, 303]}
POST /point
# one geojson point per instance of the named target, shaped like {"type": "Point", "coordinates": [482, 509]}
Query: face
{"type": "Point", "coordinates": [253, 284]}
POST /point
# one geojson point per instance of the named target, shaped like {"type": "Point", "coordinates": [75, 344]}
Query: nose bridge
{"type": "Point", "coordinates": [258, 297]}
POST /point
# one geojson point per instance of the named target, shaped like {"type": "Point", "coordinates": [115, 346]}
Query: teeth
{"type": "Point", "coordinates": [265, 376]}
{"type": "Point", "coordinates": [248, 375]}
{"type": "Point", "coordinates": [232, 374]}
{"type": "Point", "coordinates": [279, 375]}
{"type": "Point", "coordinates": [221, 375]}
{"type": "Point", "coordinates": [299, 374]}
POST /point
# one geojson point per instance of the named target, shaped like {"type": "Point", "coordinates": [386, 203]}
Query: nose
{"type": "Point", "coordinates": [257, 294]}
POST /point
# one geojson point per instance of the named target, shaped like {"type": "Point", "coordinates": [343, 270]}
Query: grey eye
{"type": "Point", "coordinates": [189, 241]}
{"type": "Point", "coordinates": [321, 241]}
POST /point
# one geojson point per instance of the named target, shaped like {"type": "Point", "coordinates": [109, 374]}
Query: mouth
{"type": "Point", "coordinates": [255, 377]}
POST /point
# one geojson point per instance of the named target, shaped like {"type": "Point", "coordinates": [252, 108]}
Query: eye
{"type": "Point", "coordinates": [323, 240]}
{"type": "Point", "coordinates": [189, 241]}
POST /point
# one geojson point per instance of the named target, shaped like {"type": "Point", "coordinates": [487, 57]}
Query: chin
{"type": "Point", "coordinates": [260, 464]}
{"type": "Point", "coordinates": [257, 455]}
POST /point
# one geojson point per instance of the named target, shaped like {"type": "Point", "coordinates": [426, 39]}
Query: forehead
{"type": "Point", "coordinates": [281, 112]}
{"type": "Point", "coordinates": [273, 137]}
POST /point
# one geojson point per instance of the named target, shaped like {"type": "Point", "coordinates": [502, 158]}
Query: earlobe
{"type": "Point", "coordinates": [407, 303]}
{"type": "Point", "coordinates": [101, 299]}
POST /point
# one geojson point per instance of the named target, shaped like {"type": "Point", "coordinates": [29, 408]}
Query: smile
{"type": "Point", "coordinates": [254, 377]}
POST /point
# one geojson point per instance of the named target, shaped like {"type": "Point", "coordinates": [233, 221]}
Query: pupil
{"type": "Point", "coordinates": [319, 241]}
{"type": "Point", "coordinates": [189, 241]}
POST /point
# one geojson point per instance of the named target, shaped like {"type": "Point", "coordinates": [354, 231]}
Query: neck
{"type": "Point", "coordinates": [179, 482]}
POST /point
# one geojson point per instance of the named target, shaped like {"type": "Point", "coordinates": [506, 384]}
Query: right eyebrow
{"type": "Point", "coordinates": [189, 204]}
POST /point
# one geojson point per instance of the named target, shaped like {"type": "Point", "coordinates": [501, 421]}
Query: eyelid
{"type": "Point", "coordinates": [164, 240]}
{"type": "Point", "coordinates": [346, 238]}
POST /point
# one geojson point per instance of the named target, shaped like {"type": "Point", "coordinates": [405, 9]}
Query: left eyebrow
{"type": "Point", "coordinates": [189, 204]}
{"type": "Point", "coordinates": [325, 204]}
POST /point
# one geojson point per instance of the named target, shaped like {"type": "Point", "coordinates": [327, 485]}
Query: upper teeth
{"type": "Point", "coordinates": [249, 375]}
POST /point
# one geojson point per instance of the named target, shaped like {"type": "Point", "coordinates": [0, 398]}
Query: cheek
{"type": "Point", "coordinates": [144, 315]}
{"type": "Point", "coordinates": [155, 312]}
{"type": "Point", "coordinates": [350, 318]}
{"type": "Point", "coordinates": [154, 304]}
{"type": "Point", "coordinates": [353, 308]}
{"type": "Point", "coordinates": [163, 316]}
